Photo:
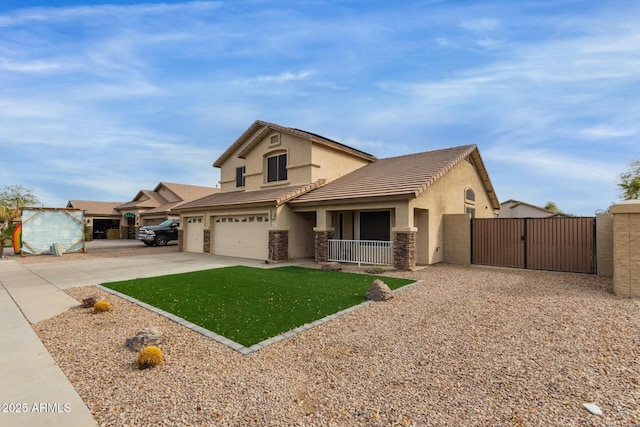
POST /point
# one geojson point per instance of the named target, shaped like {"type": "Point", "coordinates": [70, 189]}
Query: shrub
{"type": "Point", "coordinates": [149, 357]}
{"type": "Point", "coordinates": [374, 270]}
{"type": "Point", "coordinates": [101, 306]}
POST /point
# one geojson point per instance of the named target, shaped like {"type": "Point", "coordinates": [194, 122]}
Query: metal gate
{"type": "Point", "coordinates": [554, 244]}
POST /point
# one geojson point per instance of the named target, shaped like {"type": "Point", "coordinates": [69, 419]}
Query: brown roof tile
{"type": "Point", "coordinates": [144, 199]}
{"type": "Point", "coordinates": [188, 192]}
{"type": "Point", "coordinates": [401, 177]}
{"type": "Point", "coordinates": [95, 208]}
{"type": "Point", "coordinates": [274, 196]}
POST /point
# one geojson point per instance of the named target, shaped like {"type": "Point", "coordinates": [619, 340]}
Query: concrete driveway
{"type": "Point", "coordinates": [32, 292]}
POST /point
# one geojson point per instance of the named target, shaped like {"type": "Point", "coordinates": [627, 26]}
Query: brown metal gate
{"type": "Point", "coordinates": [554, 244]}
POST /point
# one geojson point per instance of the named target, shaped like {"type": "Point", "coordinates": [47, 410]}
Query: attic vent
{"type": "Point", "coordinates": [274, 140]}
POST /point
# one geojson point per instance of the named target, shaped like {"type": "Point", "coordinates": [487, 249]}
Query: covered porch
{"type": "Point", "coordinates": [374, 234]}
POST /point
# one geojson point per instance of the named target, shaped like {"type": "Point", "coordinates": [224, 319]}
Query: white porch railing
{"type": "Point", "coordinates": [361, 251]}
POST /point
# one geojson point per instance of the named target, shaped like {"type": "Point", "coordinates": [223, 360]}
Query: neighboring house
{"type": "Point", "coordinates": [148, 207]}
{"type": "Point", "coordinates": [517, 209]}
{"type": "Point", "coordinates": [102, 219]}
{"type": "Point", "coordinates": [287, 193]}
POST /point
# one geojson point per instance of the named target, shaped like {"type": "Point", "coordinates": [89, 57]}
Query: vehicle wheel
{"type": "Point", "coordinates": [161, 240]}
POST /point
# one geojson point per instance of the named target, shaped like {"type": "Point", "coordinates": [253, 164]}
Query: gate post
{"type": "Point", "coordinates": [626, 248]}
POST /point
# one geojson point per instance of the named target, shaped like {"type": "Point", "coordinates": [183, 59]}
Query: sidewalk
{"type": "Point", "coordinates": [32, 383]}
{"type": "Point", "coordinates": [35, 391]}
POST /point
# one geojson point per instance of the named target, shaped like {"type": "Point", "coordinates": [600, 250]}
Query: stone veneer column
{"type": "Point", "coordinates": [279, 245]}
{"type": "Point", "coordinates": [626, 249]}
{"type": "Point", "coordinates": [206, 241]}
{"type": "Point", "coordinates": [404, 250]}
{"type": "Point", "coordinates": [180, 240]}
{"type": "Point", "coordinates": [322, 245]}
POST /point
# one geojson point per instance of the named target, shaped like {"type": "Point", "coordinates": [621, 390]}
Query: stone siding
{"type": "Point", "coordinates": [279, 245]}
{"type": "Point", "coordinates": [322, 245]}
{"type": "Point", "coordinates": [180, 240]}
{"type": "Point", "coordinates": [404, 250]}
{"type": "Point", "coordinates": [206, 241]}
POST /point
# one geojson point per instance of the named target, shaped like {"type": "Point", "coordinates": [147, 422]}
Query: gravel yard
{"type": "Point", "coordinates": [468, 346]}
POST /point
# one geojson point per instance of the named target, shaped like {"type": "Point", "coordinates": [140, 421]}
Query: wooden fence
{"type": "Point", "coordinates": [554, 244]}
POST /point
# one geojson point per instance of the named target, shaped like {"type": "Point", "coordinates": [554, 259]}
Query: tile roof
{"type": "Point", "coordinates": [144, 199]}
{"type": "Point", "coordinates": [155, 203]}
{"type": "Point", "coordinates": [95, 208]}
{"type": "Point", "coordinates": [274, 196]}
{"type": "Point", "coordinates": [188, 192]}
{"type": "Point", "coordinates": [260, 128]}
{"type": "Point", "coordinates": [401, 177]}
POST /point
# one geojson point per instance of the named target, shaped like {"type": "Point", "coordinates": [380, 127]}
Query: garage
{"type": "Point", "coordinates": [244, 236]}
{"type": "Point", "coordinates": [194, 232]}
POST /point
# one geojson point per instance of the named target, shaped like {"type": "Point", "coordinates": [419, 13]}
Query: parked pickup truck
{"type": "Point", "coordinates": [159, 235]}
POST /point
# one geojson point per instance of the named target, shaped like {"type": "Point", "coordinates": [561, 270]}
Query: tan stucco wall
{"type": "Point", "coordinates": [604, 244]}
{"type": "Point", "coordinates": [168, 194]}
{"type": "Point", "coordinates": [457, 239]}
{"type": "Point", "coordinates": [330, 164]}
{"type": "Point", "coordinates": [626, 249]}
{"type": "Point", "coordinates": [521, 211]}
{"type": "Point", "coordinates": [447, 196]}
{"type": "Point", "coordinates": [300, 226]}
{"type": "Point", "coordinates": [306, 162]}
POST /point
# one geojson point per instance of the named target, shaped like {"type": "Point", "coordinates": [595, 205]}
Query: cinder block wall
{"type": "Point", "coordinates": [457, 239]}
{"type": "Point", "coordinates": [604, 244]}
{"type": "Point", "coordinates": [626, 249]}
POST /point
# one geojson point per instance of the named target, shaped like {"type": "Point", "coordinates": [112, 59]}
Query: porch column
{"type": "Point", "coordinates": [322, 244]}
{"type": "Point", "coordinates": [324, 231]}
{"type": "Point", "coordinates": [404, 248]}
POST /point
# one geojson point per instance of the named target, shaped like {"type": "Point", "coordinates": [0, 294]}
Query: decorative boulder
{"type": "Point", "coordinates": [89, 301]}
{"type": "Point", "coordinates": [379, 291]}
{"type": "Point", "coordinates": [145, 337]}
{"type": "Point", "coordinates": [331, 266]}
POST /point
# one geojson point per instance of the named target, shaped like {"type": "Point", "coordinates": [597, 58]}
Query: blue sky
{"type": "Point", "coordinates": [100, 100]}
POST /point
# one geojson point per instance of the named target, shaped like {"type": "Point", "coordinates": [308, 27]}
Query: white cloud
{"type": "Point", "coordinates": [284, 77]}
{"type": "Point", "coordinates": [606, 132]}
{"type": "Point", "coordinates": [480, 24]}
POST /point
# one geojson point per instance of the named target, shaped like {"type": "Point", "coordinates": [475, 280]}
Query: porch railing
{"type": "Point", "coordinates": [361, 251]}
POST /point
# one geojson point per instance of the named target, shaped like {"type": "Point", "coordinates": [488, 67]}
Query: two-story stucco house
{"type": "Point", "coordinates": [287, 193]}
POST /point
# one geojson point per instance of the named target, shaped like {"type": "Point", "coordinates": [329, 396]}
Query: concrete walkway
{"type": "Point", "coordinates": [35, 391]}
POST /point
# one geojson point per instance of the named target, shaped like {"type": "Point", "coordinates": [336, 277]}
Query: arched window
{"type": "Point", "coordinates": [470, 202]}
{"type": "Point", "coordinates": [469, 196]}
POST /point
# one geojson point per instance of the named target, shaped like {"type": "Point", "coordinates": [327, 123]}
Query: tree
{"type": "Point", "coordinates": [12, 198]}
{"type": "Point", "coordinates": [629, 182]}
{"type": "Point", "coordinates": [17, 196]}
{"type": "Point", "coordinates": [550, 206]}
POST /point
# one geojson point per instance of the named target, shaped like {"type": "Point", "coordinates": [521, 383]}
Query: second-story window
{"type": "Point", "coordinates": [277, 168]}
{"type": "Point", "coordinates": [240, 176]}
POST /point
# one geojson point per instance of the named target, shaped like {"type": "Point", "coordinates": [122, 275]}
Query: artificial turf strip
{"type": "Point", "coordinates": [249, 305]}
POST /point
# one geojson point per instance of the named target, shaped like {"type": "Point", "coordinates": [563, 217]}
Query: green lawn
{"type": "Point", "coordinates": [249, 305]}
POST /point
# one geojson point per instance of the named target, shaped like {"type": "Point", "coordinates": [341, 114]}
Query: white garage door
{"type": "Point", "coordinates": [194, 234]}
{"type": "Point", "coordinates": [245, 236]}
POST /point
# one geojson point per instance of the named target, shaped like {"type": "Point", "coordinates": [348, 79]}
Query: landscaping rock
{"type": "Point", "coordinates": [89, 301]}
{"type": "Point", "coordinates": [145, 337]}
{"type": "Point", "coordinates": [379, 291]}
{"type": "Point", "coordinates": [331, 266]}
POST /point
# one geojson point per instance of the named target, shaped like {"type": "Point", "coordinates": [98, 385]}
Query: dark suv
{"type": "Point", "coordinates": [160, 234]}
